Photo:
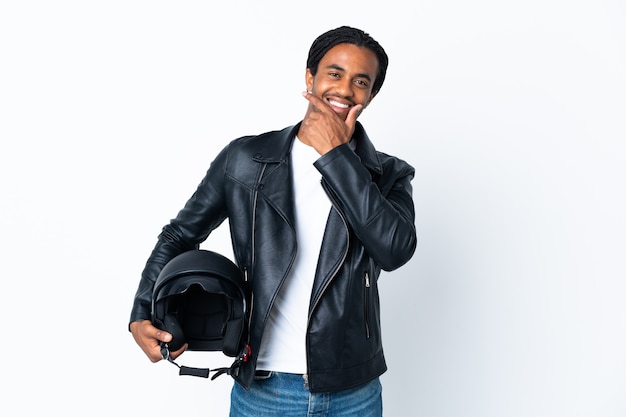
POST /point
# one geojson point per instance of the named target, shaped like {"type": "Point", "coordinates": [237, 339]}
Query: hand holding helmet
{"type": "Point", "coordinates": [149, 339]}
{"type": "Point", "coordinates": [199, 302]}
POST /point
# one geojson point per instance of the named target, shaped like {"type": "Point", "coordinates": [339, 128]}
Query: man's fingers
{"type": "Point", "coordinates": [163, 336]}
{"type": "Point", "coordinates": [310, 97]}
{"type": "Point", "coordinates": [179, 352]}
{"type": "Point", "coordinates": [353, 114]}
{"type": "Point", "coordinates": [318, 104]}
{"type": "Point", "coordinates": [325, 129]}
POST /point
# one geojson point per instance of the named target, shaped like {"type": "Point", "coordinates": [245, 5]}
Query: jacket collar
{"type": "Point", "coordinates": [281, 142]}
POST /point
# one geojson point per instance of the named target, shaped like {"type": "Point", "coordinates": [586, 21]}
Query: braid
{"type": "Point", "coordinates": [346, 34]}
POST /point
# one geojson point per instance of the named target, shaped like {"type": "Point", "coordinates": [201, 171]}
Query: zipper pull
{"type": "Point", "coordinates": [306, 381]}
{"type": "Point", "coordinates": [367, 280]}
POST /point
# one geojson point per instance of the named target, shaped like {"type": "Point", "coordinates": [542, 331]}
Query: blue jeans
{"type": "Point", "coordinates": [286, 395]}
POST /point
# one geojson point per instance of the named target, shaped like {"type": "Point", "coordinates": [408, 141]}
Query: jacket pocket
{"type": "Point", "coordinates": [367, 290]}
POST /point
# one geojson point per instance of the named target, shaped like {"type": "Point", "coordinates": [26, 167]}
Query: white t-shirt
{"type": "Point", "coordinates": [283, 346]}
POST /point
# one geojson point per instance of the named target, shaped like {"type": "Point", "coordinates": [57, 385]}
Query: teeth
{"type": "Point", "coordinates": [337, 104]}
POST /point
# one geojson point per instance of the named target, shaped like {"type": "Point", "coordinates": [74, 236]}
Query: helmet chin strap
{"type": "Point", "coordinates": [205, 372]}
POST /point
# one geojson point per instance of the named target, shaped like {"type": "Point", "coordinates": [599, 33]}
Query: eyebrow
{"type": "Point", "coordinates": [361, 75]}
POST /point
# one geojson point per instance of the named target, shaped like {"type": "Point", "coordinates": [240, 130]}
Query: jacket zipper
{"type": "Point", "coordinates": [252, 254]}
{"type": "Point", "coordinates": [254, 202]}
{"type": "Point", "coordinates": [251, 308]}
{"type": "Point", "coordinates": [366, 303]}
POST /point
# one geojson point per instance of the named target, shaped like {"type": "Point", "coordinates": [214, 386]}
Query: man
{"type": "Point", "coordinates": [315, 214]}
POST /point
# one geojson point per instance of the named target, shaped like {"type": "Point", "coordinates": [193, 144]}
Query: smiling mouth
{"type": "Point", "coordinates": [338, 104]}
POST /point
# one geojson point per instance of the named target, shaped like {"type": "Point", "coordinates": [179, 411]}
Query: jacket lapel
{"type": "Point", "coordinates": [275, 183]}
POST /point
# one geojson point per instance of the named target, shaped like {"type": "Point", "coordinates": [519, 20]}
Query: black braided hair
{"type": "Point", "coordinates": [347, 34]}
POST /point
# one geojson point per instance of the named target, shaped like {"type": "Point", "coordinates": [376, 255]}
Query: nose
{"type": "Point", "coordinates": [344, 87]}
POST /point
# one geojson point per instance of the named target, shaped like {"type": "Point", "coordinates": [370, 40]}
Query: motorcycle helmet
{"type": "Point", "coordinates": [200, 298]}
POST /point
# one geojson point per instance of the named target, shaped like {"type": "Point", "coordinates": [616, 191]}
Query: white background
{"type": "Point", "coordinates": [513, 114]}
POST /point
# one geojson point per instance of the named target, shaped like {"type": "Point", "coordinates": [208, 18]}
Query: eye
{"type": "Point", "coordinates": [362, 83]}
{"type": "Point", "coordinates": [334, 74]}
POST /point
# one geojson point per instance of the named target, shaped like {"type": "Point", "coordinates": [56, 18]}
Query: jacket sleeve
{"type": "Point", "coordinates": [381, 213]}
{"type": "Point", "coordinates": [202, 213]}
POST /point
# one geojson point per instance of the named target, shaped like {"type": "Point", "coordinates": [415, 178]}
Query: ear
{"type": "Point", "coordinates": [308, 79]}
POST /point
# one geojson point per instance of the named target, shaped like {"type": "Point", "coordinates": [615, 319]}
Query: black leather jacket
{"type": "Point", "coordinates": [370, 227]}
